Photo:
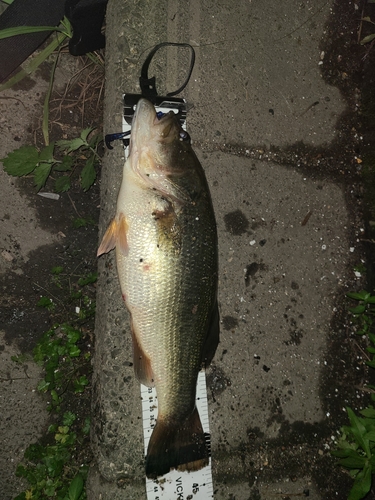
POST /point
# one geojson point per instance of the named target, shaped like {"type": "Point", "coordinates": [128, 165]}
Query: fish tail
{"type": "Point", "coordinates": [177, 445]}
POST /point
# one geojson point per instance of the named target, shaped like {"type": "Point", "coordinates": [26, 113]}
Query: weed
{"type": "Point", "coordinates": [59, 354]}
{"type": "Point", "coordinates": [357, 441]}
{"type": "Point", "coordinates": [53, 468]}
{"type": "Point", "coordinates": [368, 38]}
{"type": "Point", "coordinates": [49, 469]}
{"type": "Point", "coordinates": [62, 157]}
{"type": "Point", "coordinates": [46, 302]}
{"type": "Point", "coordinates": [80, 222]}
{"type": "Point", "coordinates": [364, 312]}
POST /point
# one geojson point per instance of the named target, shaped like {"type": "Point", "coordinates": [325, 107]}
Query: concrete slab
{"type": "Point", "coordinates": [283, 244]}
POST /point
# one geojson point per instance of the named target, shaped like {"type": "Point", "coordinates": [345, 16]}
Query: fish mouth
{"type": "Point", "coordinates": [148, 127]}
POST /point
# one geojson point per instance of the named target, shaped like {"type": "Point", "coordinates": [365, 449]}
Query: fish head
{"type": "Point", "coordinates": [157, 145]}
{"type": "Point", "coordinates": [147, 128]}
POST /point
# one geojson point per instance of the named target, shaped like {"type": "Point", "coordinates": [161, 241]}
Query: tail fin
{"type": "Point", "coordinates": [176, 445]}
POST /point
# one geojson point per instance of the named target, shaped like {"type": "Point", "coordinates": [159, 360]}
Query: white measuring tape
{"type": "Point", "coordinates": [175, 485]}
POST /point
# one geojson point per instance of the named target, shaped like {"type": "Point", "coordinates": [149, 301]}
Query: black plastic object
{"type": "Point", "coordinates": [148, 85]}
{"type": "Point", "coordinates": [86, 18]}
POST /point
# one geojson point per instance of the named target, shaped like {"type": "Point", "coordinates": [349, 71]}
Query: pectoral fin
{"type": "Point", "coordinates": [116, 234]}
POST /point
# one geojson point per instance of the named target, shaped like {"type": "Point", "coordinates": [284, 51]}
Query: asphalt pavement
{"type": "Point", "coordinates": [287, 242]}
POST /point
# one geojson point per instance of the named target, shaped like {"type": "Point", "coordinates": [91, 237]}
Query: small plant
{"type": "Point", "coordinates": [357, 451]}
{"type": "Point", "coordinates": [371, 37]}
{"type": "Point", "coordinates": [53, 467]}
{"type": "Point", "coordinates": [62, 157]}
{"type": "Point", "coordinates": [49, 469]}
{"type": "Point", "coordinates": [81, 222]}
{"type": "Point", "coordinates": [357, 441]}
{"type": "Point", "coordinates": [58, 352]}
{"type": "Point", "coordinates": [364, 314]}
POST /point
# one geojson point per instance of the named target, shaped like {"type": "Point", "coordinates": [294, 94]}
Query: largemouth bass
{"type": "Point", "coordinates": [166, 252]}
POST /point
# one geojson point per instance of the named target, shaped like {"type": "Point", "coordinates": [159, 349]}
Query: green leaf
{"type": "Point", "coordinates": [370, 436]}
{"type": "Point", "coordinates": [74, 351]}
{"type": "Point", "coordinates": [358, 309]}
{"type": "Point", "coordinates": [88, 174]}
{"type": "Point", "coordinates": [55, 396]}
{"type": "Point", "coordinates": [358, 430]}
{"type": "Point", "coordinates": [57, 270]}
{"type": "Point", "coordinates": [371, 300]}
{"type": "Point", "coordinates": [71, 144]}
{"type": "Point", "coordinates": [86, 426]}
{"type": "Point", "coordinates": [22, 161]}
{"type": "Point", "coordinates": [45, 302]}
{"type": "Point", "coordinates": [90, 278]}
{"type": "Point", "coordinates": [65, 165]}
{"type": "Point", "coordinates": [367, 39]}
{"type": "Point", "coordinates": [80, 383]}
{"type": "Point", "coordinates": [344, 453]}
{"type": "Point", "coordinates": [41, 174]}
{"type": "Point", "coordinates": [62, 184]}
{"type": "Point", "coordinates": [43, 386]}
{"type": "Point", "coordinates": [368, 412]}
{"type": "Point", "coordinates": [362, 484]}
{"type": "Point", "coordinates": [71, 333]}
{"type": "Point", "coordinates": [85, 133]}
{"type": "Point", "coordinates": [358, 295]}
{"type": "Point", "coordinates": [50, 490]}
{"type": "Point", "coordinates": [353, 462]}
{"type": "Point", "coordinates": [46, 155]}
{"type": "Point", "coordinates": [68, 418]}
{"type": "Point", "coordinates": [80, 222]}
{"type": "Point", "coordinates": [24, 30]}
{"type": "Point", "coordinates": [76, 488]}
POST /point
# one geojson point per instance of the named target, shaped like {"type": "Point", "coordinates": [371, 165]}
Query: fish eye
{"type": "Point", "coordinates": [184, 136]}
